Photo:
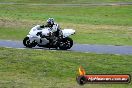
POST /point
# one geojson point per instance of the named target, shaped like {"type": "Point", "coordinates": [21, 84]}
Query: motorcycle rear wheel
{"type": "Point", "coordinates": [66, 43]}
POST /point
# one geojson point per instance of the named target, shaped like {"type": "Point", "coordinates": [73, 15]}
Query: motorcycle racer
{"type": "Point", "coordinates": [55, 28]}
{"type": "Point", "coordinates": [42, 36]}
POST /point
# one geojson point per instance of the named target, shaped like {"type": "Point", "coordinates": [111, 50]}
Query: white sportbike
{"type": "Point", "coordinates": [44, 37]}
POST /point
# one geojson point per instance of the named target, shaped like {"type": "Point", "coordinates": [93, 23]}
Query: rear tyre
{"type": "Point", "coordinates": [66, 43]}
{"type": "Point", "coordinates": [26, 42]}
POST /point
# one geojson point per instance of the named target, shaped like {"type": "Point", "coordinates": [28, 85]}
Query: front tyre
{"type": "Point", "coordinates": [26, 42]}
{"type": "Point", "coordinates": [66, 43]}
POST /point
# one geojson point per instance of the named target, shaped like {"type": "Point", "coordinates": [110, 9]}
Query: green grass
{"type": "Point", "coordinates": [11, 33]}
{"type": "Point", "coordinates": [63, 1]}
{"type": "Point", "coordinates": [45, 68]}
{"type": "Point", "coordinates": [93, 24]}
{"type": "Point", "coordinates": [109, 15]}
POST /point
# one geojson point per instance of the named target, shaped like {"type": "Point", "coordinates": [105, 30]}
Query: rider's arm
{"type": "Point", "coordinates": [55, 27]}
{"type": "Point", "coordinates": [42, 26]}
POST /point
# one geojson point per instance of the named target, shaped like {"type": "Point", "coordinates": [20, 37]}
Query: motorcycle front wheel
{"type": "Point", "coordinates": [66, 43]}
{"type": "Point", "coordinates": [26, 42]}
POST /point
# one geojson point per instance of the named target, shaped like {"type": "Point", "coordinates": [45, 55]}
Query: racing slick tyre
{"type": "Point", "coordinates": [66, 43]}
{"type": "Point", "coordinates": [26, 42]}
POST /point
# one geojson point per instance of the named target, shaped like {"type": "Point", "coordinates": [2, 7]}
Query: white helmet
{"type": "Point", "coordinates": [50, 21]}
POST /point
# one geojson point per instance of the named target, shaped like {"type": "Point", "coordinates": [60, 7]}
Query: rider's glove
{"type": "Point", "coordinates": [42, 26]}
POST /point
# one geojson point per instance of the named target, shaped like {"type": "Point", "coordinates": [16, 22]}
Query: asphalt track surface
{"type": "Point", "coordinates": [87, 48]}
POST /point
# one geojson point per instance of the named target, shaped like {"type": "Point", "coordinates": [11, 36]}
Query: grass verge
{"type": "Point", "coordinates": [93, 25]}
{"type": "Point", "coordinates": [43, 68]}
{"type": "Point", "coordinates": [63, 1]}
